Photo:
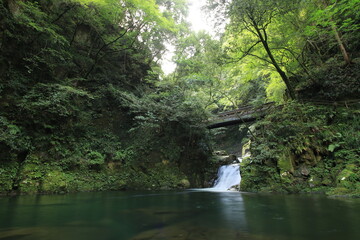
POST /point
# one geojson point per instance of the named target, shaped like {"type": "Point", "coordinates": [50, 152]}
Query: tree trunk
{"type": "Point", "coordinates": [274, 63]}
{"type": "Point", "coordinates": [347, 59]}
{"type": "Point", "coordinates": [345, 54]}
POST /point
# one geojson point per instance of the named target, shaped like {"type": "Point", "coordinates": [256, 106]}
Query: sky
{"type": "Point", "coordinates": [196, 17]}
{"type": "Point", "coordinates": [198, 22]}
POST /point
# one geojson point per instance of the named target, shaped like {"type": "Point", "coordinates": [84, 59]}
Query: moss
{"type": "Point", "coordinates": [160, 176]}
{"type": "Point", "coordinates": [69, 134]}
{"type": "Point", "coordinates": [285, 163]}
{"type": "Point", "coordinates": [31, 174]}
{"type": "Point", "coordinates": [29, 186]}
{"type": "Point", "coordinates": [327, 181]}
{"type": "Point", "coordinates": [347, 181]}
{"type": "Point", "coordinates": [314, 181]}
{"type": "Point", "coordinates": [245, 148]}
{"type": "Point", "coordinates": [291, 151]}
{"type": "Point", "coordinates": [344, 191]}
{"type": "Point", "coordinates": [42, 178]}
{"type": "Point", "coordinates": [55, 182]}
{"type": "Point", "coordinates": [184, 183]}
{"type": "Point", "coordinates": [343, 177]}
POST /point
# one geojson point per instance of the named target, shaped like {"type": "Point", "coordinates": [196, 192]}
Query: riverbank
{"type": "Point", "coordinates": [303, 148]}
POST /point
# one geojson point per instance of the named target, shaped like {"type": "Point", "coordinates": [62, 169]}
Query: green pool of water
{"type": "Point", "coordinates": [178, 215]}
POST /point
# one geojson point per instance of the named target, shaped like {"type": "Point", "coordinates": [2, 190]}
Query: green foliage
{"type": "Point", "coordinates": [12, 136]}
{"type": "Point", "coordinates": [8, 174]}
{"type": "Point", "coordinates": [80, 106]}
{"type": "Point", "coordinates": [161, 176]}
{"type": "Point", "coordinates": [304, 148]}
{"type": "Point", "coordinates": [55, 182]}
{"type": "Point", "coordinates": [53, 102]}
{"type": "Point", "coordinates": [333, 16]}
{"type": "Point", "coordinates": [308, 40]}
{"type": "Point", "coordinates": [124, 155]}
{"type": "Point", "coordinates": [95, 159]}
{"type": "Point", "coordinates": [331, 81]}
{"type": "Point", "coordinates": [31, 174]}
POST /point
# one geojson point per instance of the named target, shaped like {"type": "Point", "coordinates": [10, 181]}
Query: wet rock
{"type": "Point", "coordinates": [235, 188]}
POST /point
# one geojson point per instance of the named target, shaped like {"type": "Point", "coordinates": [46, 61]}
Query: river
{"type": "Point", "coordinates": [178, 215]}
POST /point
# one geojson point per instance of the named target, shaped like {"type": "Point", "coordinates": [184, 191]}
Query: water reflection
{"type": "Point", "coordinates": [301, 217]}
{"type": "Point", "coordinates": [178, 215]}
{"type": "Point", "coordinates": [232, 209]}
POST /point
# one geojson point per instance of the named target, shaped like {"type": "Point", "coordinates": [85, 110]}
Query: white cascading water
{"type": "Point", "coordinates": [228, 176]}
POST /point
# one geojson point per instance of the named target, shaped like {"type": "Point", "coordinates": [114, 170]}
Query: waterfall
{"type": "Point", "coordinates": [228, 176]}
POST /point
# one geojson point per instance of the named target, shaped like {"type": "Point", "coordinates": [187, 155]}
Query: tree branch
{"type": "Point", "coordinates": [68, 8]}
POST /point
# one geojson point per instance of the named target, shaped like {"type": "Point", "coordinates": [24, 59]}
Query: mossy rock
{"type": "Point", "coordinates": [31, 175]}
{"type": "Point", "coordinates": [184, 183]}
{"type": "Point", "coordinates": [314, 181]}
{"type": "Point", "coordinates": [310, 157]}
{"type": "Point", "coordinates": [246, 148]}
{"type": "Point", "coordinates": [29, 186]}
{"type": "Point", "coordinates": [285, 162]}
{"type": "Point", "coordinates": [286, 177]}
{"type": "Point", "coordinates": [340, 191]}
{"type": "Point", "coordinates": [327, 181]}
{"type": "Point", "coordinates": [349, 174]}
{"type": "Point", "coordinates": [347, 181]}
{"type": "Point", "coordinates": [245, 162]}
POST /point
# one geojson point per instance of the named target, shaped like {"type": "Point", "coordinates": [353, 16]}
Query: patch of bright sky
{"type": "Point", "coordinates": [197, 19]}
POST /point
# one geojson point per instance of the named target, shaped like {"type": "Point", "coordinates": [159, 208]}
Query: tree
{"type": "Point", "coordinates": [199, 68]}
{"type": "Point", "coordinates": [336, 17]}
{"type": "Point", "coordinates": [255, 17]}
{"type": "Point", "coordinates": [74, 91]}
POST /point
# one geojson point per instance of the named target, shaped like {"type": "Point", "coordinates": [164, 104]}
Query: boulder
{"type": "Point", "coordinates": [184, 183]}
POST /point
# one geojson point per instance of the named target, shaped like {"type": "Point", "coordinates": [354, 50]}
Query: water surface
{"type": "Point", "coordinates": [178, 215]}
